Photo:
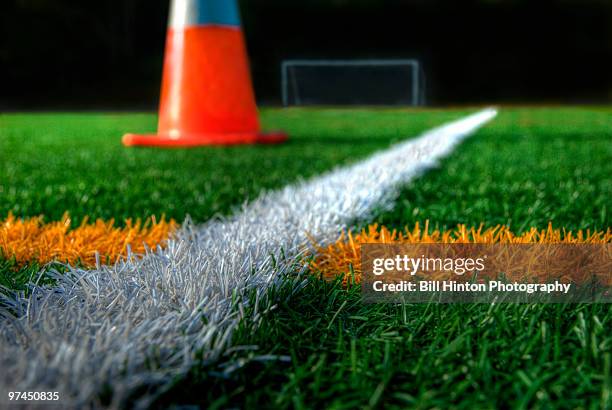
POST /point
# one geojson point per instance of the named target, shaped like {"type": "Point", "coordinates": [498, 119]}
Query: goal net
{"type": "Point", "coordinates": [352, 82]}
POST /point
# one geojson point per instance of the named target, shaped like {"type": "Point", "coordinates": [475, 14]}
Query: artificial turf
{"type": "Point", "coordinates": [60, 162]}
{"type": "Point", "coordinates": [56, 163]}
{"type": "Point", "coordinates": [527, 168]}
{"type": "Point", "coordinates": [324, 348]}
{"type": "Point", "coordinates": [321, 347]}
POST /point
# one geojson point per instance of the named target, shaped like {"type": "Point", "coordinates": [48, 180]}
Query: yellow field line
{"type": "Point", "coordinates": [29, 240]}
{"type": "Point", "coordinates": [345, 254]}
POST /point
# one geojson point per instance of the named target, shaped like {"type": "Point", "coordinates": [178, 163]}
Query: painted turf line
{"type": "Point", "coordinates": [139, 322]}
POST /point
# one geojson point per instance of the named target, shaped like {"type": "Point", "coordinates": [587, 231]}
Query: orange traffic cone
{"type": "Point", "coordinates": [206, 95]}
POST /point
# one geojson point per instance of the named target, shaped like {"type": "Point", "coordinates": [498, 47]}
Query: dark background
{"type": "Point", "coordinates": [108, 53]}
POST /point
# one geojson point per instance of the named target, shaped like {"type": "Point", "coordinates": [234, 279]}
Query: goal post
{"type": "Point", "coordinates": [352, 82]}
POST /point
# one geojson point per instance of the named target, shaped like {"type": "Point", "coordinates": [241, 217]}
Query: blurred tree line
{"type": "Point", "coordinates": [108, 53]}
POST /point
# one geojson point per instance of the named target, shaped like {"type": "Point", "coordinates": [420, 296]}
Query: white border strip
{"type": "Point", "coordinates": [101, 326]}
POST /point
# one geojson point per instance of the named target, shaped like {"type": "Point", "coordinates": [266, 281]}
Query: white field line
{"type": "Point", "coordinates": [139, 322]}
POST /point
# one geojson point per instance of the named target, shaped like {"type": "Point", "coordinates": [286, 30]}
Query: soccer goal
{"type": "Point", "coordinates": [352, 82]}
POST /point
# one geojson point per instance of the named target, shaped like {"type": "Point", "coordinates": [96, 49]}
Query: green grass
{"type": "Point", "coordinates": [332, 351]}
{"type": "Point", "coordinates": [53, 163]}
{"type": "Point", "coordinates": [56, 163]}
{"type": "Point", "coordinates": [528, 167]}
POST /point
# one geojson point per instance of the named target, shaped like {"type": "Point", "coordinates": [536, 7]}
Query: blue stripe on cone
{"type": "Point", "coordinates": [187, 13]}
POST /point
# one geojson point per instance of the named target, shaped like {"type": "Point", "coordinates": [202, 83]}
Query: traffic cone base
{"type": "Point", "coordinates": [194, 140]}
{"type": "Point", "coordinates": [206, 95]}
